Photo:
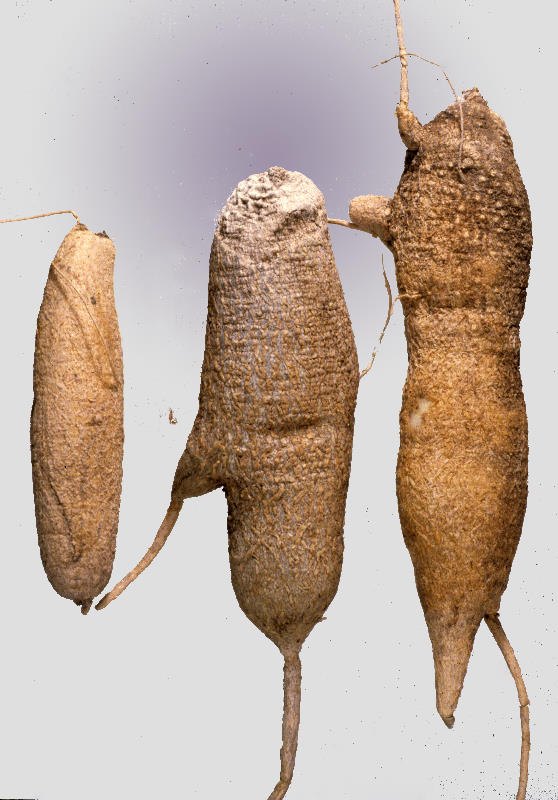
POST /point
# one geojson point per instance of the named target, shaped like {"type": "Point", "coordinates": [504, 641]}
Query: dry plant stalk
{"type": "Point", "coordinates": [459, 227]}
{"type": "Point", "coordinates": [77, 431]}
{"type": "Point", "coordinates": [275, 422]}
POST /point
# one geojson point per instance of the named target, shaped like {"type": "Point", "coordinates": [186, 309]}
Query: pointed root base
{"type": "Point", "coordinates": [451, 647]}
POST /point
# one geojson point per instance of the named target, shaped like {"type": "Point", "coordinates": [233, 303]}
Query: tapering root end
{"type": "Point", "coordinates": [495, 627]}
{"type": "Point", "coordinates": [451, 648]}
{"type": "Point", "coordinates": [291, 721]}
{"type": "Point", "coordinates": [449, 721]}
{"type": "Point", "coordinates": [162, 535]}
{"type": "Point", "coordinates": [84, 605]}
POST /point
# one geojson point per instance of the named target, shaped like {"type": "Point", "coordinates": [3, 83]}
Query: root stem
{"type": "Point", "coordinates": [391, 304]}
{"type": "Point", "coordinates": [291, 721]}
{"type": "Point", "coordinates": [343, 222]}
{"type": "Point", "coordinates": [404, 90]}
{"type": "Point", "coordinates": [38, 216]}
{"type": "Point", "coordinates": [495, 626]}
{"type": "Point", "coordinates": [162, 535]}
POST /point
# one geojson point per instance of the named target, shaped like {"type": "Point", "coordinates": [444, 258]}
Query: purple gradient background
{"type": "Point", "coordinates": [143, 116]}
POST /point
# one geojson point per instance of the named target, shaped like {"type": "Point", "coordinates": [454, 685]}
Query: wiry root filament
{"type": "Point", "coordinates": [291, 721]}
{"type": "Point", "coordinates": [162, 535]}
{"type": "Point", "coordinates": [495, 626]}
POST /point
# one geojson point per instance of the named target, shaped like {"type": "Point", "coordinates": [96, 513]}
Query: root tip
{"type": "Point", "coordinates": [449, 721]}
{"type": "Point", "coordinates": [84, 605]}
{"type": "Point", "coordinates": [103, 602]}
{"type": "Point", "coordinates": [280, 790]}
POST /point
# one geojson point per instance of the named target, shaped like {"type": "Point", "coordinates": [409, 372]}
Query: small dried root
{"type": "Point", "coordinates": [37, 216]}
{"type": "Point", "coordinates": [404, 89]}
{"type": "Point", "coordinates": [344, 223]}
{"type": "Point", "coordinates": [495, 627]}
{"type": "Point", "coordinates": [162, 535]}
{"type": "Point", "coordinates": [291, 721]}
{"type": "Point", "coordinates": [391, 305]}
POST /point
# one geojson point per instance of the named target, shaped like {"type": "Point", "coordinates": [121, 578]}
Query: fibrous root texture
{"type": "Point", "coordinates": [459, 227]}
{"type": "Point", "coordinates": [77, 418]}
{"type": "Point", "coordinates": [461, 238]}
{"type": "Point", "coordinates": [276, 411]}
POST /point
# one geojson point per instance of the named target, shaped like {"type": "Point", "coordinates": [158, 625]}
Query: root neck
{"type": "Point", "coordinates": [291, 720]}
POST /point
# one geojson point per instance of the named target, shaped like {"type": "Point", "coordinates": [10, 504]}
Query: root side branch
{"type": "Point", "coordinates": [38, 216]}
{"type": "Point", "coordinates": [343, 222]}
{"type": "Point", "coordinates": [495, 627]}
{"type": "Point", "coordinates": [391, 304]}
{"type": "Point", "coordinates": [162, 535]}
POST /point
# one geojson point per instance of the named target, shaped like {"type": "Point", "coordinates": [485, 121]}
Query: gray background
{"type": "Point", "coordinates": [143, 116]}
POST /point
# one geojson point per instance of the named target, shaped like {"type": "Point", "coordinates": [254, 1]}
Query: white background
{"type": "Point", "coordinates": [143, 116]}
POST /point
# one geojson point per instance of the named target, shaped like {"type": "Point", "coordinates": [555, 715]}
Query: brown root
{"type": "Point", "coordinates": [495, 626]}
{"type": "Point", "coordinates": [86, 605]}
{"type": "Point", "coordinates": [162, 535]}
{"type": "Point", "coordinates": [291, 721]}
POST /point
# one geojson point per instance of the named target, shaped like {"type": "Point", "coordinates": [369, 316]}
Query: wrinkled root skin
{"type": "Point", "coordinates": [461, 238]}
{"type": "Point", "coordinates": [278, 391]}
{"type": "Point", "coordinates": [77, 425]}
{"type": "Point", "coordinates": [459, 227]}
{"type": "Point", "coordinates": [275, 422]}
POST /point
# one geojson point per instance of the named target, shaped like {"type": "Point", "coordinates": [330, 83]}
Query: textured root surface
{"type": "Point", "coordinates": [291, 721]}
{"type": "Point", "coordinates": [451, 647]}
{"type": "Point", "coordinates": [495, 626]}
{"type": "Point", "coordinates": [162, 535]}
{"type": "Point", "coordinates": [77, 431]}
{"type": "Point", "coordinates": [278, 391]}
{"type": "Point", "coordinates": [461, 243]}
{"type": "Point", "coordinates": [85, 606]}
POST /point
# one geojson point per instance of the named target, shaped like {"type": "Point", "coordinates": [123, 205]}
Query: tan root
{"type": "Point", "coordinates": [162, 535]}
{"type": "Point", "coordinates": [458, 100]}
{"type": "Point", "coordinates": [291, 722]}
{"type": "Point", "coordinates": [391, 305]}
{"type": "Point", "coordinates": [404, 90]}
{"type": "Point", "coordinates": [495, 627]}
{"type": "Point", "coordinates": [38, 216]}
{"type": "Point", "coordinates": [343, 222]}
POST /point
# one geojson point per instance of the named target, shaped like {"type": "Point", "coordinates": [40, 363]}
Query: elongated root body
{"type": "Point", "coordinates": [77, 418]}
{"type": "Point", "coordinates": [274, 428]}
